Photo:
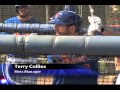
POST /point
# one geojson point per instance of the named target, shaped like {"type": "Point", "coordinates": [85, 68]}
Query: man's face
{"type": "Point", "coordinates": [65, 30]}
{"type": "Point", "coordinates": [62, 30]}
{"type": "Point", "coordinates": [23, 11]}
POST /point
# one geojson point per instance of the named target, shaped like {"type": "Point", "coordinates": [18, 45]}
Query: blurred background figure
{"type": "Point", "coordinates": [23, 16]}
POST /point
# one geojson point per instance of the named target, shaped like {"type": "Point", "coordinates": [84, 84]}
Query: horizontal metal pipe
{"type": "Point", "coordinates": [41, 28]}
{"type": "Point", "coordinates": [27, 28]}
{"type": "Point", "coordinates": [40, 44]}
{"type": "Point", "coordinates": [11, 43]}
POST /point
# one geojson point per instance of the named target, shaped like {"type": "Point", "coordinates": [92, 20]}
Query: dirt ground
{"type": "Point", "coordinates": [106, 80]}
{"type": "Point", "coordinates": [102, 80]}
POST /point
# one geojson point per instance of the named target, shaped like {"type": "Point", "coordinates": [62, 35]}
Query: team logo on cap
{"type": "Point", "coordinates": [58, 15]}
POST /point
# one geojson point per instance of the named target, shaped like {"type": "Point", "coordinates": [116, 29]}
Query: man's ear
{"type": "Point", "coordinates": [72, 29]}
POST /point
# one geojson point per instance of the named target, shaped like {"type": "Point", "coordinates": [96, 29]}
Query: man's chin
{"type": "Point", "coordinates": [24, 15]}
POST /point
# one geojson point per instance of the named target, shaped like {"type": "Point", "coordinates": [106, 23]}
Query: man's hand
{"type": "Point", "coordinates": [95, 25]}
{"type": "Point", "coordinates": [93, 28]}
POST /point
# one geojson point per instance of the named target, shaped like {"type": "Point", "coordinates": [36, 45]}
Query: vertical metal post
{"type": "Point", "coordinates": [47, 13]}
{"type": "Point", "coordinates": [80, 9]}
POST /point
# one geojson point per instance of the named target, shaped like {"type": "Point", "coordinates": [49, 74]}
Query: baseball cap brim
{"type": "Point", "coordinates": [56, 21]}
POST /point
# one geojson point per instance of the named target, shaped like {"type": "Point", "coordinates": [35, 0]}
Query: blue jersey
{"type": "Point", "coordinates": [88, 75]}
{"type": "Point", "coordinates": [87, 62]}
{"type": "Point", "coordinates": [18, 21]}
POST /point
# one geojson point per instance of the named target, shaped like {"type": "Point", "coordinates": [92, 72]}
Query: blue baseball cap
{"type": "Point", "coordinates": [66, 17]}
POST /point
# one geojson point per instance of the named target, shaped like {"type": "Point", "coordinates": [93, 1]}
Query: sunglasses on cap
{"type": "Point", "coordinates": [22, 6]}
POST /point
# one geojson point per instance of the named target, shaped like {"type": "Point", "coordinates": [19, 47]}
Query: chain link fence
{"type": "Point", "coordinates": [44, 12]}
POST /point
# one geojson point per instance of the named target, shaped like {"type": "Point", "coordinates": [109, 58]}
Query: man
{"type": "Point", "coordinates": [23, 12]}
{"type": "Point", "coordinates": [23, 16]}
{"type": "Point", "coordinates": [69, 23]}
